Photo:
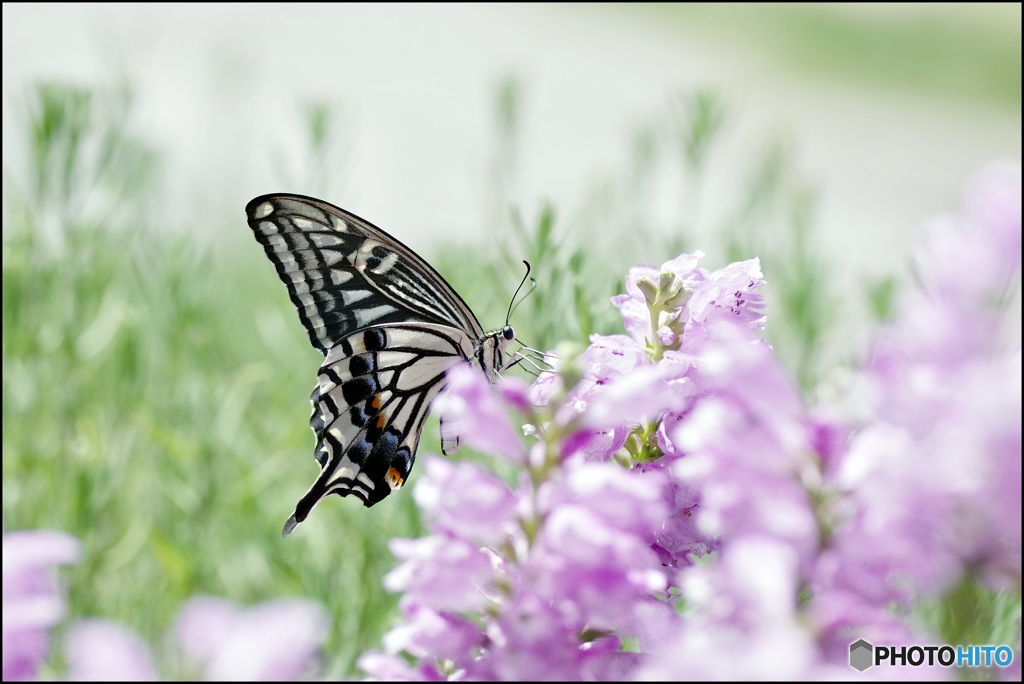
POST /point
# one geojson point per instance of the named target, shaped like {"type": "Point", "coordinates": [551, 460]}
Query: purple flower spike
{"type": "Point", "coordinates": [687, 438]}
{"type": "Point", "coordinates": [32, 600]}
{"type": "Point", "coordinates": [465, 500]}
{"type": "Point", "coordinates": [744, 604]}
{"type": "Point", "coordinates": [278, 640]}
{"type": "Point", "coordinates": [730, 294]}
{"type": "Point", "coordinates": [515, 392]}
{"type": "Point", "coordinates": [643, 394]}
{"type": "Point", "coordinates": [105, 651]}
{"type": "Point", "coordinates": [430, 634]}
{"type": "Point", "coordinates": [946, 445]}
{"type": "Point", "coordinates": [471, 409]}
{"type": "Point", "coordinates": [636, 314]}
{"type": "Point", "coordinates": [202, 626]}
{"type": "Point", "coordinates": [442, 572]}
{"type": "Point", "coordinates": [383, 667]}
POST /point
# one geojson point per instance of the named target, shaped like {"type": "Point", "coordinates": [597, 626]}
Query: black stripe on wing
{"type": "Point", "coordinates": [344, 274]}
{"type": "Point", "coordinates": [373, 393]}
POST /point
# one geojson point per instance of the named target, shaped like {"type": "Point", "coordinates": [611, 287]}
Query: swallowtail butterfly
{"type": "Point", "coordinates": [390, 328]}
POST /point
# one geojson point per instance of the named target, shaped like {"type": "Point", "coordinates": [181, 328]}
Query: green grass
{"type": "Point", "coordinates": [155, 405]}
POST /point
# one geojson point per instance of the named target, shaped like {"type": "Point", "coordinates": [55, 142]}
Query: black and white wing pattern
{"type": "Point", "coordinates": [390, 328]}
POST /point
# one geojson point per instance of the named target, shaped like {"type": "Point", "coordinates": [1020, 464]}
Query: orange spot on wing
{"type": "Point", "coordinates": [375, 402]}
{"type": "Point", "coordinates": [395, 478]}
{"type": "Point", "coordinates": [381, 421]}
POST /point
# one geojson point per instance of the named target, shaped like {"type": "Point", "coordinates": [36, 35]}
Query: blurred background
{"type": "Point", "coordinates": [155, 377]}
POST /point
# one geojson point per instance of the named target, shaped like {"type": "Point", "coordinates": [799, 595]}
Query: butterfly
{"type": "Point", "coordinates": [389, 326]}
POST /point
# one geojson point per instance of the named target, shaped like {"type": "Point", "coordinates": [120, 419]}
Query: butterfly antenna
{"type": "Point", "coordinates": [512, 304]}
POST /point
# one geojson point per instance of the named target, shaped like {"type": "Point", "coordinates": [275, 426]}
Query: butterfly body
{"type": "Point", "coordinates": [390, 328]}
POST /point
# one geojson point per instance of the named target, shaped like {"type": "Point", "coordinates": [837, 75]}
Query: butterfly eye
{"type": "Point", "coordinates": [508, 333]}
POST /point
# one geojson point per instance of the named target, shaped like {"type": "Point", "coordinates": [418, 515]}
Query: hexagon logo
{"type": "Point", "coordinates": [861, 655]}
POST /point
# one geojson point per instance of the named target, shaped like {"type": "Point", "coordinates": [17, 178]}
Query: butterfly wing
{"type": "Point", "coordinates": [389, 326]}
{"type": "Point", "coordinates": [344, 274]}
{"type": "Point", "coordinates": [371, 398]}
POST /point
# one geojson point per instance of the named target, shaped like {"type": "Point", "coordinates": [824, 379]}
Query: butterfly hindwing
{"type": "Point", "coordinates": [371, 398]}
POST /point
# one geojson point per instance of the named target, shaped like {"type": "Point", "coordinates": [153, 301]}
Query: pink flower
{"type": "Point", "coordinates": [465, 500]}
{"type": "Point", "coordinates": [477, 415]}
{"type": "Point", "coordinates": [105, 651]}
{"type": "Point", "coordinates": [33, 603]}
{"type": "Point", "coordinates": [217, 640]}
{"type": "Point", "coordinates": [273, 641]}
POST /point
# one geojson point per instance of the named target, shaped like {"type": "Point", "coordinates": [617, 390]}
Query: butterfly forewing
{"type": "Point", "coordinates": [390, 328]}
{"type": "Point", "coordinates": [344, 274]}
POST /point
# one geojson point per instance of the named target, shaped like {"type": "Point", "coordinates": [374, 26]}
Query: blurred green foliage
{"type": "Point", "coordinates": [154, 408]}
{"type": "Point", "coordinates": [952, 53]}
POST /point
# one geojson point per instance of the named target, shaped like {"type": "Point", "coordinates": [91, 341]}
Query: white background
{"type": "Point", "coordinates": [218, 88]}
